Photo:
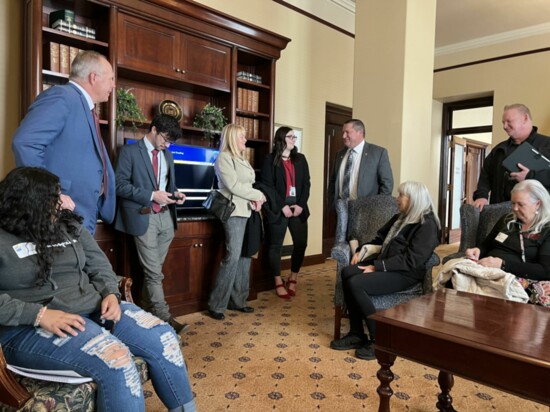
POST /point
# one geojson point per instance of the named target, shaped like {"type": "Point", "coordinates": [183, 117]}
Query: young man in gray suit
{"type": "Point", "coordinates": [147, 195]}
{"type": "Point", "coordinates": [367, 172]}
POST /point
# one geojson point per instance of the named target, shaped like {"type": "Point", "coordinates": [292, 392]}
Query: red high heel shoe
{"type": "Point", "coordinates": [290, 291]}
{"type": "Point", "coordinates": [281, 295]}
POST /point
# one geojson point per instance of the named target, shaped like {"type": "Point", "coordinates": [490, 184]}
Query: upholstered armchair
{"type": "Point", "coordinates": [358, 221]}
{"type": "Point", "coordinates": [476, 225]}
{"type": "Point", "coordinates": [18, 393]}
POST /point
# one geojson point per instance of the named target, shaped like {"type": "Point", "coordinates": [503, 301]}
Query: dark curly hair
{"type": "Point", "coordinates": [29, 199]}
{"type": "Point", "coordinates": [279, 145]}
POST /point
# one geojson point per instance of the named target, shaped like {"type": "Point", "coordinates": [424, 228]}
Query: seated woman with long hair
{"type": "Point", "coordinates": [406, 243]}
{"type": "Point", "coordinates": [60, 306]}
{"type": "Point", "coordinates": [520, 241]}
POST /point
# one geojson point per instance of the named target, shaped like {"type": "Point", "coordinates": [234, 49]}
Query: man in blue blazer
{"type": "Point", "coordinates": [147, 195]}
{"type": "Point", "coordinates": [59, 134]}
{"type": "Point", "coordinates": [370, 169]}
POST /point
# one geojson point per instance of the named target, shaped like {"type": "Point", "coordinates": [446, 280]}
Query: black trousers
{"type": "Point", "coordinates": [359, 287]}
{"type": "Point", "coordinates": [276, 236]}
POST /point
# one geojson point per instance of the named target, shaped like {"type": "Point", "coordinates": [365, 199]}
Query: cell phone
{"type": "Point", "coordinates": [173, 197]}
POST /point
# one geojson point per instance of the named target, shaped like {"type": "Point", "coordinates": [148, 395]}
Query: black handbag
{"type": "Point", "coordinates": [218, 205]}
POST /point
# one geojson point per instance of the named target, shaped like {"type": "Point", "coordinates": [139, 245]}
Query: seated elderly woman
{"type": "Point", "coordinates": [520, 242]}
{"type": "Point", "coordinates": [405, 243]}
{"type": "Point", "coordinates": [60, 307]}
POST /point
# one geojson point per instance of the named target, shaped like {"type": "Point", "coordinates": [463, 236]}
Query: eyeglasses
{"type": "Point", "coordinates": [292, 137]}
{"type": "Point", "coordinates": [166, 137]}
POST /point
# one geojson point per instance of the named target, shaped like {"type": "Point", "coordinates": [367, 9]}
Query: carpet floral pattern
{"type": "Point", "coordinates": [278, 358]}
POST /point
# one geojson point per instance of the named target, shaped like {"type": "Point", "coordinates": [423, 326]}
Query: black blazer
{"type": "Point", "coordinates": [410, 249]}
{"type": "Point", "coordinates": [274, 176]}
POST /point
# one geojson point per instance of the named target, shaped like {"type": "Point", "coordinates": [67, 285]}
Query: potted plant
{"type": "Point", "coordinates": [211, 120]}
{"type": "Point", "coordinates": [127, 109]}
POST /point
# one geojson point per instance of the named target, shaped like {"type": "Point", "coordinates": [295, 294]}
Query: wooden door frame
{"type": "Point", "coordinates": [446, 135]}
{"type": "Point", "coordinates": [334, 113]}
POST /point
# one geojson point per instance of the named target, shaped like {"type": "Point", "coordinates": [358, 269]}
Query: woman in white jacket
{"type": "Point", "coordinates": [235, 180]}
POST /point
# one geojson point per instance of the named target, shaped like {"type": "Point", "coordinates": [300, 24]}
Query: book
{"type": "Point", "coordinates": [64, 59]}
{"type": "Point", "coordinates": [73, 52]}
{"type": "Point", "coordinates": [52, 56]}
{"type": "Point", "coordinates": [528, 156]}
{"type": "Point", "coordinates": [65, 15]}
{"type": "Point", "coordinates": [65, 376]}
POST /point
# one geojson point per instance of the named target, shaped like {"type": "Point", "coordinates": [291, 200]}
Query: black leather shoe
{"type": "Point", "coordinates": [366, 352]}
{"type": "Point", "coordinates": [348, 342]}
{"type": "Point", "coordinates": [245, 309]}
{"type": "Point", "coordinates": [216, 315]}
{"type": "Point", "coordinates": [178, 327]}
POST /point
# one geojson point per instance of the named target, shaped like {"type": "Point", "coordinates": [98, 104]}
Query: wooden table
{"type": "Point", "coordinates": [495, 342]}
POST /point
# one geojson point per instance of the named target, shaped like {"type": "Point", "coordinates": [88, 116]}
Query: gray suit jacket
{"type": "Point", "coordinates": [375, 174]}
{"type": "Point", "coordinates": [135, 181]}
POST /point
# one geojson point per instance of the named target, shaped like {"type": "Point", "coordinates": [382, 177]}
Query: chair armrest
{"type": "Point", "coordinates": [12, 393]}
{"type": "Point", "coordinates": [427, 284]}
{"type": "Point", "coordinates": [455, 255]}
{"type": "Point", "coordinates": [125, 288]}
{"type": "Point", "coordinates": [341, 253]}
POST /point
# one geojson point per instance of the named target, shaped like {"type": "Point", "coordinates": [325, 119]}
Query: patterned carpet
{"type": "Point", "coordinates": [278, 358]}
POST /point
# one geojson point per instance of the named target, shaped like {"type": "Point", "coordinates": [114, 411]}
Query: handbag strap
{"type": "Point", "coordinates": [214, 178]}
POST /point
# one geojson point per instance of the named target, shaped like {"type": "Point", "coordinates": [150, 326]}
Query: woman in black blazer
{"type": "Point", "coordinates": [405, 244]}
{"type": "Point", "coordinates": [286, 172]}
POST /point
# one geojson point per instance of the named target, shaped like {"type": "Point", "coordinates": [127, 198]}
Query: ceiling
{"type": "Point", "coordinates": [459, 21]}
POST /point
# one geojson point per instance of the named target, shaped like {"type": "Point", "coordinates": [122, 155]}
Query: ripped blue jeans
{"type": "Point", "coordinates": [106, 358]}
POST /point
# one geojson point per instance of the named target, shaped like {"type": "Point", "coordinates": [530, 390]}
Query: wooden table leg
{"type": "Point", "coordinates": [385, 376]}
{"type": "Point", "coordinates": [444, 399]}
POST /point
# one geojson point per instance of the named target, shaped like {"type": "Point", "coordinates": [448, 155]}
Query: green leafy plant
{"type": "Point", "coordinates": [127, 109]}
{"type": "Point", "coordinates": [211, 120]}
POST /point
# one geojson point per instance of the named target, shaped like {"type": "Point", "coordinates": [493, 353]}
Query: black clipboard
{"type": "Point", "coordinates": [528, 156]}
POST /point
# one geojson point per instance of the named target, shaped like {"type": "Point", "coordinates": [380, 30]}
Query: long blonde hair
{"type": "Point", "coordinates": [230, 135]}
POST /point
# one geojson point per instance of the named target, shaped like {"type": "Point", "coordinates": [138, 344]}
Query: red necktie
{"type": "Point", "coordinates": [102, 149]}
{"type": "Point", "coordinates": [155, 205]}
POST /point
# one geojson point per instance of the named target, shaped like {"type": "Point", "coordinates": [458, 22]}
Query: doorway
{"type": "Point", "coordinates": [467, 132]}
{"type": "Point", "coordinates": [335, 116]}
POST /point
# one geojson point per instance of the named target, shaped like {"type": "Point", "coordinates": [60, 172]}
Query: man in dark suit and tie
{"type": "Point", "coordinates": [361, 169]}
{"type": "Point", "coordinates": [59, 133]}
{"type": "Point", "coordinates": [147, 195]}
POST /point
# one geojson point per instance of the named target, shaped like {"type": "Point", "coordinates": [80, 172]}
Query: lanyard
{"type": "Point", "coordinates": [522, 246]}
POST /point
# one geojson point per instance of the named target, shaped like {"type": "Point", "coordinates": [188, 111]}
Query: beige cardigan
{"type": "Point", "coordinates": [236, 177]}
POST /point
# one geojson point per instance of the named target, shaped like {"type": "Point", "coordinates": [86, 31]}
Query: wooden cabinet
{"type": "Point", "coordinates": [156, 49]}
{"type": "Point", "coordinates": [191, 265]}
{"type": "Point", "coordinates": [111, 242]}
{"type": "Point", "coordinates": [166, 50]}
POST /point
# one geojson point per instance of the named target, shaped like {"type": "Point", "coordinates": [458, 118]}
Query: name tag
{"type": "Point", "coordinates": [25, 249]}
{"type": "Point", "coordinates": [292, 191]}
{"type": "Point", "coordinates": [501, 237]}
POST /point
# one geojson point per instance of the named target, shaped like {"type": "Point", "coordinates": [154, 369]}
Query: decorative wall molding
{"type": "Point", "coordinates": [494, 39]}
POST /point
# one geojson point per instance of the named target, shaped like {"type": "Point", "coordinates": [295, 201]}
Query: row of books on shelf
{"type": "Point", "coordinates": [251, 77]}
{"type": "Point", "coordinates": [58, 57]}
{"type": "Point", "coordinates": [64, 20]}
{"type": "Point", "coordinates": [248, 99]}
{"type": "Point", "coordinates": [252, 126]}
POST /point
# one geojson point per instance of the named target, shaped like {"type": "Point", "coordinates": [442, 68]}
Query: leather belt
{"type": "Point", "coordinates": [149, 210]}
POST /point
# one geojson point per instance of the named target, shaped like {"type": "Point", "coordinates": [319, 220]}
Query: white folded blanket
{"type": "Point", "coordinates": [469, 276]}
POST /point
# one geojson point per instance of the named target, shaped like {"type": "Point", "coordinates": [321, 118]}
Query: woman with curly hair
{"type": "Point", "coordinates": [60, 307]}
